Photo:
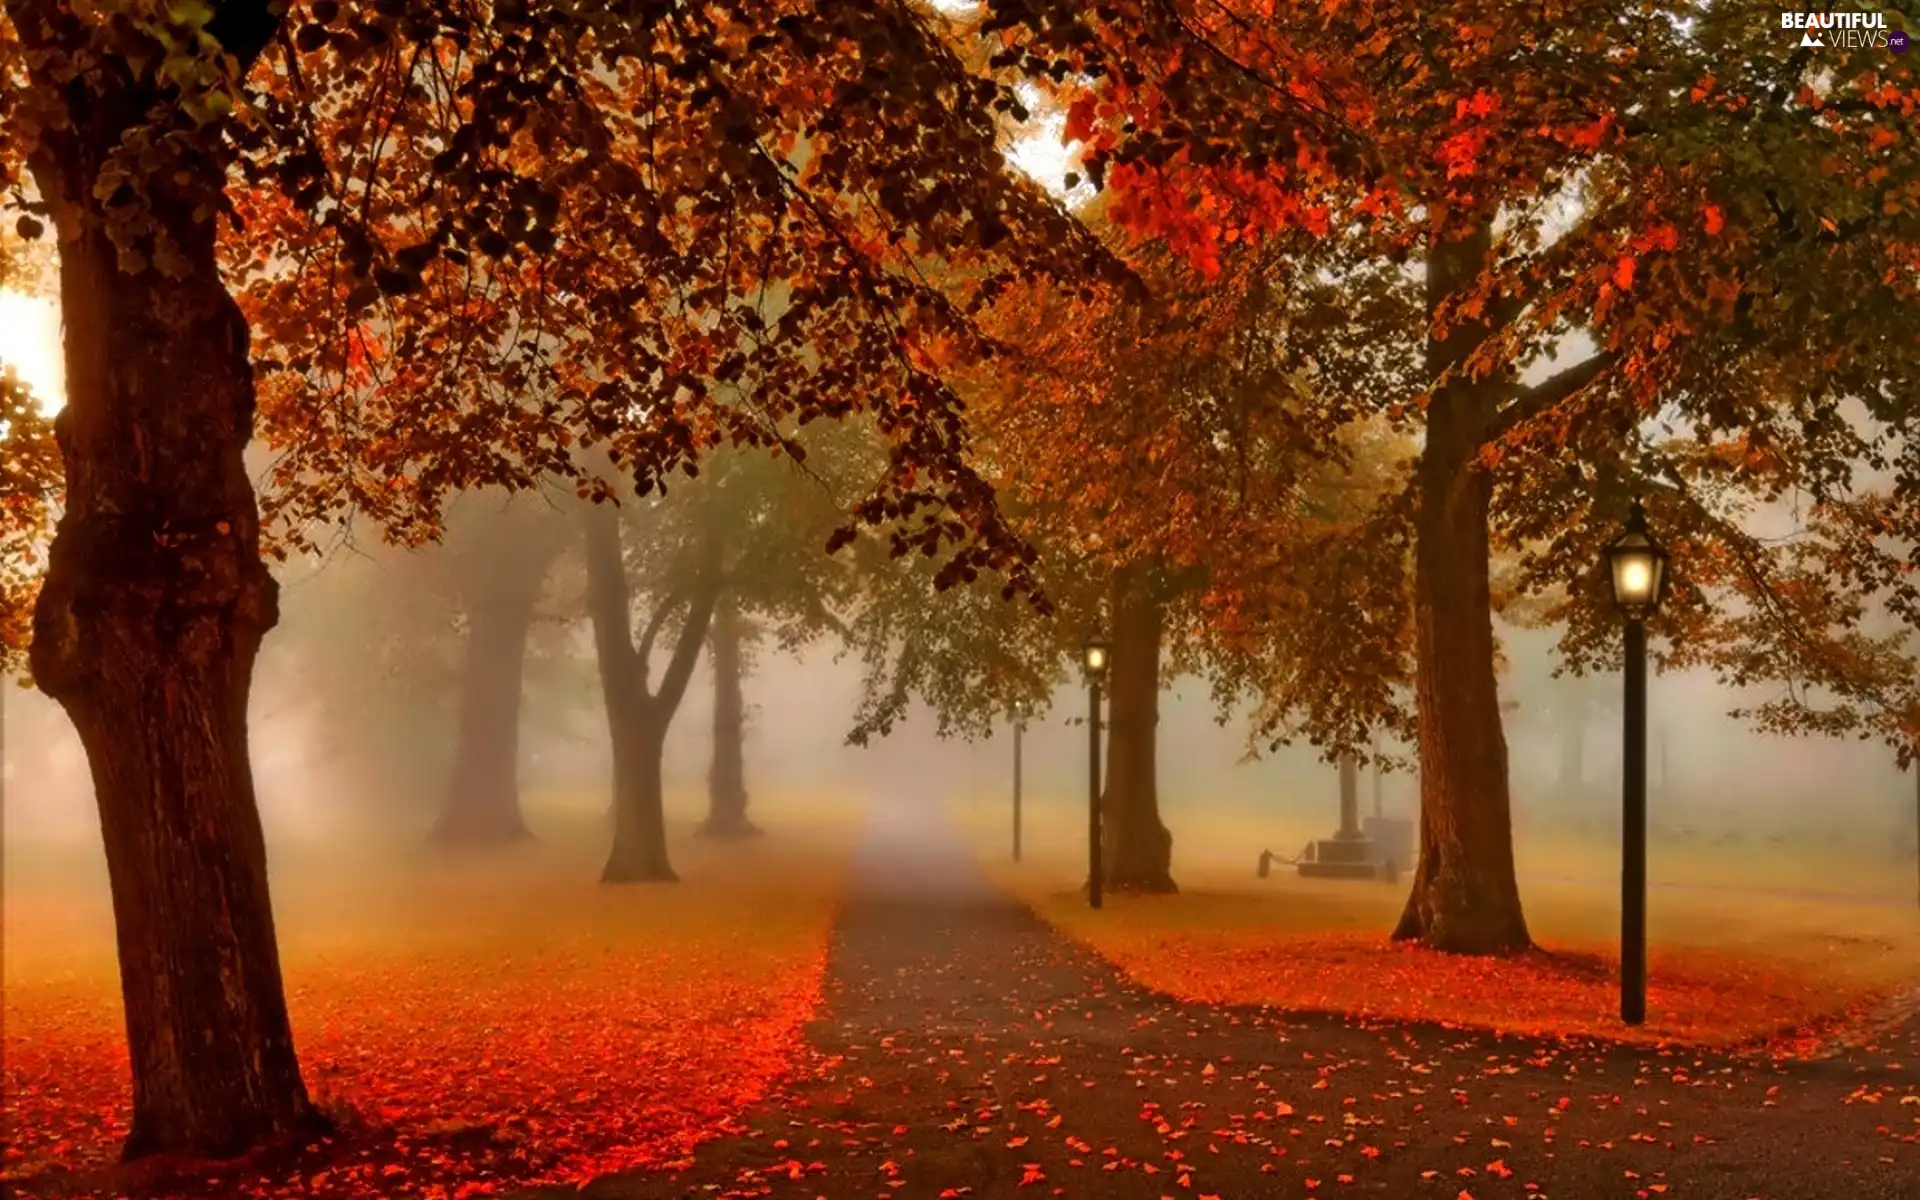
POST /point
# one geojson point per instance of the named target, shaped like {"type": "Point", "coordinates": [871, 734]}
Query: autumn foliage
{"type": "Point", "coordinates": [29, 487]}
{"type": "Point", "coordinates": [1695, 998]}
{"type": "Point", "coordinates": [440, 247]}
{"type": "Point", "coordinates": [529, 1027]}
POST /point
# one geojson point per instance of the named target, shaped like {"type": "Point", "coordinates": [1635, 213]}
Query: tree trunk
{"type": "Point", "coordinates": [500, 590]}
{"type": "Point", "coordinates": [637, 719]}
{"type": "Point", "coordinates": [639, 853]}
{"type": "Point", "coordinates": [727, 782]}
{"type": "Point", "coordinates": [147, 627]}
{"type": "Point", "coordinates": [1465, 897]}
{"type": "Point", "coordinates": [1138, 850]}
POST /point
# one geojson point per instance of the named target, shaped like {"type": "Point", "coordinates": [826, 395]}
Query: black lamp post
{"type": "Point", "coordinates": [1020, 710]}
{"type": "Point", "coordinates": [1097, 658]}
{"type": "Point", "coordinates": [1638, 568]}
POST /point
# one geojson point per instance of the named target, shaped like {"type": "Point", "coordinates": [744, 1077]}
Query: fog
{"type": "Point", "coordinates": [353, 724]}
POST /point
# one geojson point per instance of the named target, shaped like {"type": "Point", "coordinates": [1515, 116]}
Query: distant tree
{"type": "Point", "coordinates": [743, 539]}
{"type": "Point", "coordinates": [1162, 457]}
{"type": "Point", "coordinates": [680, 570]}
{"type": "Point", "coordinates": [498, 552]}
{"type": "Point", "coordinates": [370, 649]}
{"type": "Point", "coordinates": [376, 644]}
{"type": "Point", "coordinates": [729, 645]}
{"type": "Point", "coordinates": [778, 586]}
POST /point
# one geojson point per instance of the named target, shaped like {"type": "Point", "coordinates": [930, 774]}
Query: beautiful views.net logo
{"type": "Point", "coordinates": [1845, 30]}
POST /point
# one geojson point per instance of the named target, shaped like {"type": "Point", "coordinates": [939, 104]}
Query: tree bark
{"type": "Point", "coordinates": [500, 586]}
{"type": "Point", "coordinates": [727, 781]}
{"type": "Point", "coordinates": [1465, 898]}
{"type": "Point", "coordinates": [639, 852]}
{"type": "Point", "coordinates": [150, 618]}
{"type": "Point", "coordinates": [638, 719]}
{"type": "Point", "coordinates": [1138, 849]}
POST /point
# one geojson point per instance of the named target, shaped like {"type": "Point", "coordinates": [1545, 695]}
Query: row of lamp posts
{"type": "Point", "coordinates": [1637, 567]}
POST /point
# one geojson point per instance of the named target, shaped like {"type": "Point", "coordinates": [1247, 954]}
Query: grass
{"type": "Point", "coordinates": [475, 1019]}
{"type": "Point", "coordinates": [1726, 967]}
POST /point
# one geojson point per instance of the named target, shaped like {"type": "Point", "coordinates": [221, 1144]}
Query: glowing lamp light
{"type": "Point", "coordinates": [1638, 566]}
{"type": "Point", "coordinates": [1098, 656]}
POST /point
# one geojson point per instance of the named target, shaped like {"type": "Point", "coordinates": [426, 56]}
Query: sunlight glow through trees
{"type": "Point", "coordinates": [30, 344]}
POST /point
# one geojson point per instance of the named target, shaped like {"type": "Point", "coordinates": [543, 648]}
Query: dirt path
{"type": "Point", "coordinates": [974, 1052]}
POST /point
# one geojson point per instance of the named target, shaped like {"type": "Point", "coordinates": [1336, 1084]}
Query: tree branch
{"type": "Point", "coordinates": [610, 603]}
{"type": "Point", "coordinates": [1549, 392]}
{"type": "Point", "coordinates": [643, 652]}
{"type": "Point", "coordinates": [686, 651]}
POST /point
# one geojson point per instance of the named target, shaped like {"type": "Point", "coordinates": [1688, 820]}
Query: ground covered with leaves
{"type": "Point", "coordinates": [1694, 997]}
{"type": "Point", "coordinates": [974, 1052]}
{"type": "Point", "coordinates": [1727, 966]}
{"type": "Point", "coordinates": [472, 1022]}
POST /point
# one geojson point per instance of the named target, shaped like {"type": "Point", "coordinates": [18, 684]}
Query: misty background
{"type": "Point", "coordinates": [354, 707]}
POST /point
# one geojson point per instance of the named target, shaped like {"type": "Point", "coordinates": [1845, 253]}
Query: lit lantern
{"type": "Point", "coordinates": [1638, 567]}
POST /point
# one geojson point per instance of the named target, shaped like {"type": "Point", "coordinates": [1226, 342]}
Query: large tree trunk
{"type": "Point", "coordinates": [727, 781]}
{"type": "Point", "coordinates": [1137, 850]}
{"type": "Point", "coordinates": [1465, 898]}
{"type": "Point", "coordinates": [500, 585]}
{"type": "Point", "coordinates": [147, 628]}
{"type": "Point", "coordinates": [637, 719]}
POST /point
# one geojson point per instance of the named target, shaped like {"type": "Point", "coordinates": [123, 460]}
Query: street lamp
{"type": "Point", "coordinates": [1097, 658]}
{"type": "Point", "coordinates": [1638, 568]}
{"type": "Point", "coordinates": [1020, 710]}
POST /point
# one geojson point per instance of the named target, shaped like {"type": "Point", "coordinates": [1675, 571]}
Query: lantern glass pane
{"type": "Point", "coordinates": [1635, 576]}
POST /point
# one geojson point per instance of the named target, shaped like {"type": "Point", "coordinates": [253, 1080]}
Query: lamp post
{"type": "Point", "coordinates": [1377, 814]}
{"type": "Point", "coordinates": [1097, 658]}
{"type": "Point", "coordinates": [1637, 567]}
{"type": "Point", "coordinates": [1020, 709]}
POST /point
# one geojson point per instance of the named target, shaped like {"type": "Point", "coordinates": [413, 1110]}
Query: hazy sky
{"type": "Point", "coordinates": [30, 344]}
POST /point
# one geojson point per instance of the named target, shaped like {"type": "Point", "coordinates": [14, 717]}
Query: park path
{"type": "Point", "coordinates": [971, 1051]}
